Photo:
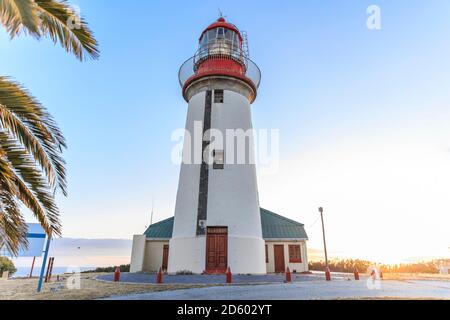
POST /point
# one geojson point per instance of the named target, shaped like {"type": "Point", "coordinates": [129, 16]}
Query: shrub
{"type": "Point", "coordinates": [345, 265]}
{"type": "Point", "coordinates": [7, 265]}
{"type": "Point", "coordinates": [350, 265]}
{"type": "Point", "coordinates": [184, 273]}
{"type": "Point", "coordinates": [123, 268]}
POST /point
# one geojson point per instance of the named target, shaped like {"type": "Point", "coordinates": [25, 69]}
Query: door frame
{"type": "Point", "coordinates": [275, 247]}
{"type": "Point", "coordinates": [208, 235]}
{"type": "Point", "coordinates": [165, 257]}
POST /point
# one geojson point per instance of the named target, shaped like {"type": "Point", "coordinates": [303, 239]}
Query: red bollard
{"type": "Point", "coordinates": [159, 277]}
{"type": "Point", "coordinates": [328, 274]}
{"type": "Point", "coordinates": [229, 275]}
{"type": "Point", "coordinates": [288, 275]}
{"type": "Point", "coordinates": [356, 274]}
{"type": "Point", "coordinates": [117, 274]}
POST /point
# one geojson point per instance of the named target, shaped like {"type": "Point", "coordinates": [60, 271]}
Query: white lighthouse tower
{"type": "Point", "coordinates": [217, 216]}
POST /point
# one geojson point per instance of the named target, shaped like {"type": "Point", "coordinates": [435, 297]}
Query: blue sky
{"type": "Point", "coordinates": [363, 115]}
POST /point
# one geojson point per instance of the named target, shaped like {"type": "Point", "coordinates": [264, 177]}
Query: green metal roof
{"type": "Point", "coordinates": [160, 230]}
{"type": "Point", "coordinates": [273, 225]}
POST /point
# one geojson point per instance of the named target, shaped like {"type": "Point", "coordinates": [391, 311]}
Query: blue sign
{"type": "Point", "coordinates": [36, 240]}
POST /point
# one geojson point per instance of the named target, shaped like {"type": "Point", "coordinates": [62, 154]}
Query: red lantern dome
{"type": "Point", "coordinates": [221, 54]}
{"type": "Point", "coordinates": [221, 23]}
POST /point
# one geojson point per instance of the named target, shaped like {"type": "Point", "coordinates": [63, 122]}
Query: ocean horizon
{"type": "Point", "coordinates": [25, 271]}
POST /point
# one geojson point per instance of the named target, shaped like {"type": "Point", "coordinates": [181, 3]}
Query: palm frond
{"type": "Point", "coordinates": [18, 15]}
{"type": "Point", "coordinates": [32, 188]}
{"type": "Point", "coordinates": [64, 25]}
{"type": "Point", "coordinates": [31, 124]}
{"type": "Point", "coordinates": [12, 225]}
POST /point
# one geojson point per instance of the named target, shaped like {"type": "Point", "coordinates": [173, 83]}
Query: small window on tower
{"type": "Point", "coordinates": [219, 160]}
{"type": "Point", "coordinates": [218, 96]}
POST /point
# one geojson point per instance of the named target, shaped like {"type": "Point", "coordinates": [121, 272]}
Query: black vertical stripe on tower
{"type": "Point", "coordinates": [202, 211]}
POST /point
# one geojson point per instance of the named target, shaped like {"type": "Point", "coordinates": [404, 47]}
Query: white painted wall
{"type": "Point", "coordinates": [137, 253]}
{"type": "Point", "coordinates": [298, 267]}
{"type": "Point", "coordinates": [188, 184]}
{"type": "Point", "coordinates": [187, 254]}
{"type": "Point", "coordinates": [187, 251]}
{"type": "Point", "coordinates": [154, 250]}
{"type": "Point", "coordinates": [233, 192]}
{"type": "Point", "coordinates": [232, 197]}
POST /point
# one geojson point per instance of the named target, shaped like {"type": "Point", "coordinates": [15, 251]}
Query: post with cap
{"type": "Point", "coordinates": [117, 274]}
{"type": "Point", "coordinates": [229, 275]}
{"type": "Point", "coordinates": [159, 276]}
{"type": "Point", "coordinates": [288, 275]}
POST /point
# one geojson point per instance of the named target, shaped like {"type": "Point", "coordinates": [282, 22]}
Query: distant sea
{"type": "Point", "coordinates": [25, 271]}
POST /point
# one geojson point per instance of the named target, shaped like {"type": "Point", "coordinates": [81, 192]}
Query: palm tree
{"type": "Point", "coordinates": [32, 169]}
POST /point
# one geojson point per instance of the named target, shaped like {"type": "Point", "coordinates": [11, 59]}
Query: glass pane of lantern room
{"type": "Point", "coordinates": [229, 35]}
{"type": "Point", "coordinates": [236, 40]}
{"type": "Point", "coordinates": [220, 33]}
{"type": "Point", "coordinates": [232, 35]}
{"type": "Point", "coordinates": [212, 35]}
{"type": "Point", "coordinates": [204, 40]}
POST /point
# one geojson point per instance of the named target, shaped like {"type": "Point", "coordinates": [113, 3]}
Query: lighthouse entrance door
{"type": "Point", "coordinates": [217, 250]}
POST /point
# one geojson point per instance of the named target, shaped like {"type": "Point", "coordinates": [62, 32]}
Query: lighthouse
{"type": "Point", "coordinates": [217, 221]}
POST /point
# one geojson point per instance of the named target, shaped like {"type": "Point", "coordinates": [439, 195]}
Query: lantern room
{"type": "Point", "coordinates": [221, 53]}
{"type": "Point", "coordinates": [221, 37]}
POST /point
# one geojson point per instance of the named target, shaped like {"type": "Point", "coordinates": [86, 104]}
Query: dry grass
{"type": "Point", "coordinates": [25, 289]}
{"type": "Point", "coordinates": [416, 276]}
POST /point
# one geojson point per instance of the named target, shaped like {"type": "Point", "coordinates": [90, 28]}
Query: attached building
{"type": "Point", "coordinates": [285, 245]}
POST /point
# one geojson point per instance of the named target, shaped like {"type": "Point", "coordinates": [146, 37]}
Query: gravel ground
{"type": "Point", "coordinates": [307, 290]}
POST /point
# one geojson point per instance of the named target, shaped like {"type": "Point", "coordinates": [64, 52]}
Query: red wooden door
{"type": "Point", "coordinates": [279, 258]}
{"type": "Point", "coordinates": [165, 262]}
{"type": "Point", "coordinates": [217, 250]}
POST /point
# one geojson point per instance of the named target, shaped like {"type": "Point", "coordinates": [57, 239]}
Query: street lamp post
{"type": "Point", "coordinates": [328, 276]}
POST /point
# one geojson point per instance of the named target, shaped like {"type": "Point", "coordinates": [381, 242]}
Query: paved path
{"type": "Point", "coordinates": [214, 279]}
{"type": "Point", "coordinates": [312, 289]}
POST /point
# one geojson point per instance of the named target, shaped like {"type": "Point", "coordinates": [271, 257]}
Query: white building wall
{"type": "Point", "coordinates": [297, 267]}
{"type": "Point", "coordinates": [185, 224]}
{"type": "Point", "coordinates": [187, 251]}
{"type": "Point", "coordinates": [137, 253]}
{"type": "Point", "coordinates": [154, 250]}
{"type": "Point", "coordinates": [232, 197]}
{"type": "Point", "coordinates": [233, 192]}
{"type": "Point", "coordinates": [187, 254]}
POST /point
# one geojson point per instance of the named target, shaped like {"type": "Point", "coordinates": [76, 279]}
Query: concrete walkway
{"type": "Point", "coordinates": [306, 290]}
{"type": "Point", "coordinates": [212, 279]}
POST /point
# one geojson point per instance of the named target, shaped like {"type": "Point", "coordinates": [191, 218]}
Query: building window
{"type": "Point", "coordinates": [267, 253]}
{"type": "Point", "coordinates": [219, 160]}
{"type": "Point", "coordinates": [218, 96]}
{"type": "Point", "coordinates": [295, 254]}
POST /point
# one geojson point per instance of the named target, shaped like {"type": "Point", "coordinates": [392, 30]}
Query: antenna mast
{"type": "Point", "coordinates": [151, 216]}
